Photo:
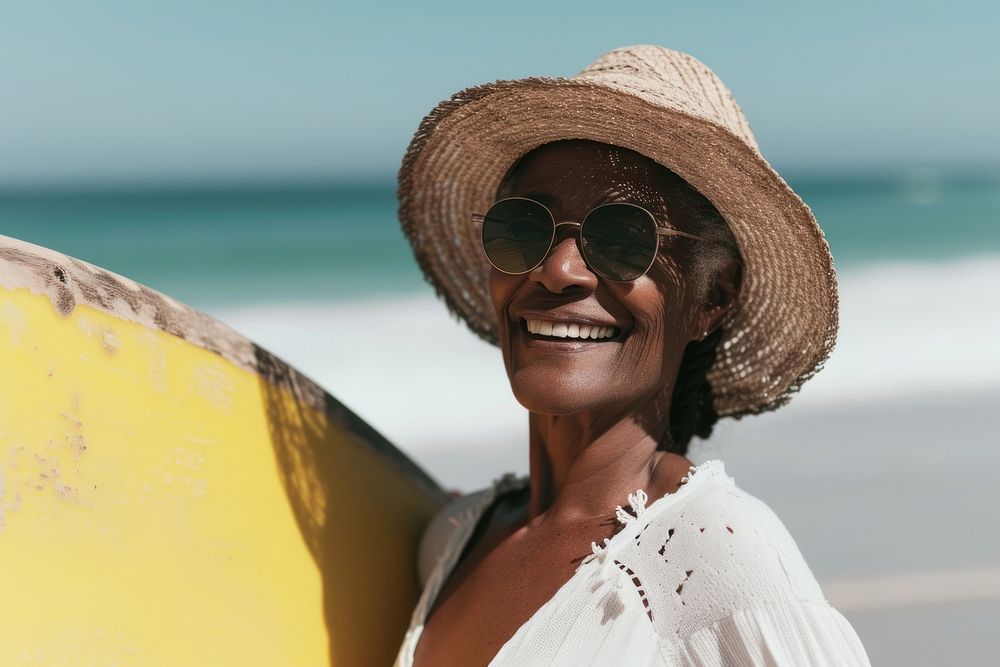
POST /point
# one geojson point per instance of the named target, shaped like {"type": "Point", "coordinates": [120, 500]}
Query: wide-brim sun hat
{"type": "Point", "coordinates": [671, 108]}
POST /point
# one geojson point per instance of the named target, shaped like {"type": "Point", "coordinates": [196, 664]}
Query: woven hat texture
{"type": "Point", "coordinates": [673, 109]}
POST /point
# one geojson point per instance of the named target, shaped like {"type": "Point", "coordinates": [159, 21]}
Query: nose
{"type": "Point", "coordinates": [564, 267]}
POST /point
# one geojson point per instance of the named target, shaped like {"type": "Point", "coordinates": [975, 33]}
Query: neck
{"type": "Point", "coordinates": [583, 465]}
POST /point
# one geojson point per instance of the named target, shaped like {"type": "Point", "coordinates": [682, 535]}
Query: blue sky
{"type": "Point", "coordinates": [137, 91]}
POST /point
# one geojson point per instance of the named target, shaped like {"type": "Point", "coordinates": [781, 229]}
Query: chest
{"type": "Point", "coordinates": [496, 589]}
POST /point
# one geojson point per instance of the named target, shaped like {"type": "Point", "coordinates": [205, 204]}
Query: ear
{"type": "Point", "coordinates": [721, 297]}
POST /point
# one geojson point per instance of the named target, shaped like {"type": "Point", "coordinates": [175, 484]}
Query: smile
{"type": "Point", "coordinates": [550, 329]}
{"type": "Point", "coordinates": [567, 333]}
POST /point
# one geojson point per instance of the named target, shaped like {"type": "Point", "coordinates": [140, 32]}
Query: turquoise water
{"type": "Point", "coordinates": [241, 245]}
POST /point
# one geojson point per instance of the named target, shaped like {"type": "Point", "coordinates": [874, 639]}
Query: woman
{"type": "Point", "coordinates": [644, 272]}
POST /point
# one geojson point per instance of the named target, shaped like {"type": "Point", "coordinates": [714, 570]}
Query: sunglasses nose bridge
{"type": "Point", "coordinates": [556, 250]}
{"type": "Point", "coordinates": [573, 232]}
{"type": "Point", "coordinates": [558, 237]}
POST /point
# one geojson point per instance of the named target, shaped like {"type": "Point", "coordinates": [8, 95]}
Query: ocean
{"type": "Point", "coordinates": [323, 277]}
{"type": "Point", "coordinates": [218, 247]}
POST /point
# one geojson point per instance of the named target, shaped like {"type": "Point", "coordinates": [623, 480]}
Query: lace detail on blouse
{"type": "Point", "coordinates": [706, 575]}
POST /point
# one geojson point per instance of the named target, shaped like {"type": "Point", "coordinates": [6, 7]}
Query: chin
{"type": "Point", "coordinates": [558, 400]}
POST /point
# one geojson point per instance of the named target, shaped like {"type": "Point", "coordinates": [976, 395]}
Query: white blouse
{"type": "Point", "coordinates": [707, 575]}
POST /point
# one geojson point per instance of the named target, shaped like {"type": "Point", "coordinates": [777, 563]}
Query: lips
{"type": "Point", "coordinates": [577, 330]}
{"type": "Point", "coordinates": [541, 321]}
{"type": "Point", "coordinates": [542, 342]}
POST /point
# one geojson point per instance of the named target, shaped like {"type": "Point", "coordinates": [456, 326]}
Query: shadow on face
{"type": "Point", "coordinates": [656, 316]}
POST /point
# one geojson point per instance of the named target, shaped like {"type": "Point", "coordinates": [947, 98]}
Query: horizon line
{"type": "Point", "coordinates": [974, 171]}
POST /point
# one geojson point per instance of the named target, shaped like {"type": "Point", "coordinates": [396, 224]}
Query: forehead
{"type": "Point", "coordinates": [574, 175]}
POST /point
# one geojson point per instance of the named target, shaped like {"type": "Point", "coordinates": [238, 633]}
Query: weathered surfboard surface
{"type": "Point", "coordinates": [172, 494]}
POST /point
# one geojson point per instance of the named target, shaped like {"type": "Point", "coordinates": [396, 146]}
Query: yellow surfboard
{"type": "Point", "coordinates": [173, 494]}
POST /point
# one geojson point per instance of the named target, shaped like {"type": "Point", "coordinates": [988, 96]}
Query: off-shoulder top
{"type": "Point", "coordinates": [707, 575]}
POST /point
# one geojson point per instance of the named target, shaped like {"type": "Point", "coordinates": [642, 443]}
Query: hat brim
{"type": "Point", "coordinates": [784, 324]}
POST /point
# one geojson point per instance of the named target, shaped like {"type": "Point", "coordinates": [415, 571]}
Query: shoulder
{"type": "Point", "coordinates": [764, 545]}
{"type": "Point", "coordinates": [716, 551]}
{"type": "Point", "coordinates": [441, 531]}
{"type": "Point", "coordinates": [753, 532]}
{"type": "Point", "coordinates": [750, 541]}
{"type": "Point", "coordinates": [728, 584]}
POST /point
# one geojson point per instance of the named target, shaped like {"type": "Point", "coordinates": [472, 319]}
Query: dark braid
{"type": "Point", "coordinates": [692, 412]}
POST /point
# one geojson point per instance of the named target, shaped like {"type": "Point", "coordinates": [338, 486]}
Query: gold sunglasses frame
{"type": "Point", "coordinates": [660, 231]}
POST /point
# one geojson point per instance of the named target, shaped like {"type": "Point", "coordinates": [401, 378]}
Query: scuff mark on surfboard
{"type": "Point", "coordinates": [200, 441]}
{"type": "Point", "coordinates": [7, 468]}
{"type": "Point", "coordinates": [214, 385]}
{"type": "Point", "coordinates": [45, 469]}
{"type": "Point", "coordinates": [16, 322]}
{"type": "Point", "coordinates": [7, 472]}
{"type": "Point", "coordinates": [73, 420]}
{"type": "Point", "coordinates": [189, 459]}
{"type": "Point", "coordinates": [156, 358]}
{"type": "Point", "coordinates": [187, 487]}
{"type": "Point", "coordinates": [77, 444]}
{"type": "Point", "coordinates": [106, 336]}
{"type": "Point", "coordinates": [110, 341]}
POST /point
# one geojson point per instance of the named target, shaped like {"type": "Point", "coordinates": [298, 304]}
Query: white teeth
{"type": "Point", "coordinates": [564, 330]}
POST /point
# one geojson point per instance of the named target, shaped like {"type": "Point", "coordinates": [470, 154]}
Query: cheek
{"type": "Point", "coordinates": [502, 288]}
{"type": "Point", "coordinates": [643, 349]}
{"type": "Point", "coordinates": [659, 337]}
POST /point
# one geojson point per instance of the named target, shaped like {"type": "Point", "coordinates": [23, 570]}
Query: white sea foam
{"type": "Point", "coordinates": [423, 380]}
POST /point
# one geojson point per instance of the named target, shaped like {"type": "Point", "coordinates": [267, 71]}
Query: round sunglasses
{"type": "Point", "coordinates": [618, 240]}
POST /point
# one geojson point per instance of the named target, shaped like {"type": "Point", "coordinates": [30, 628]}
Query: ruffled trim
{"type": "Point", "coordinates": [637, 502]}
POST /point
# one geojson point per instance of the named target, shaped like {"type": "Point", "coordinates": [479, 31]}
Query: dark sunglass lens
{"type": "Point", "coordinates": [516, 234]}
{"type": "Point", "coordinates": [619, 241]}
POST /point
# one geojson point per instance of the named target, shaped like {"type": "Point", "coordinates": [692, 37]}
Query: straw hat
{"type": "Point", "coordinates": [671, 108]}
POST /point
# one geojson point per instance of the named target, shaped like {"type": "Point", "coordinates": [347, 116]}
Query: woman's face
{"type": "Point", "coordinates": [654, 317]}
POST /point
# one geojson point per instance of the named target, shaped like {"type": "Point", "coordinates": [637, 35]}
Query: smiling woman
{"type": "Point", "coordinates": [644, 272]}
{"type": "Point", "coordinates": [696, 260]}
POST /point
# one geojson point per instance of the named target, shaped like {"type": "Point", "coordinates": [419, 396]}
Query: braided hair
{"type": "Point", "coordinates": [692, 412]}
